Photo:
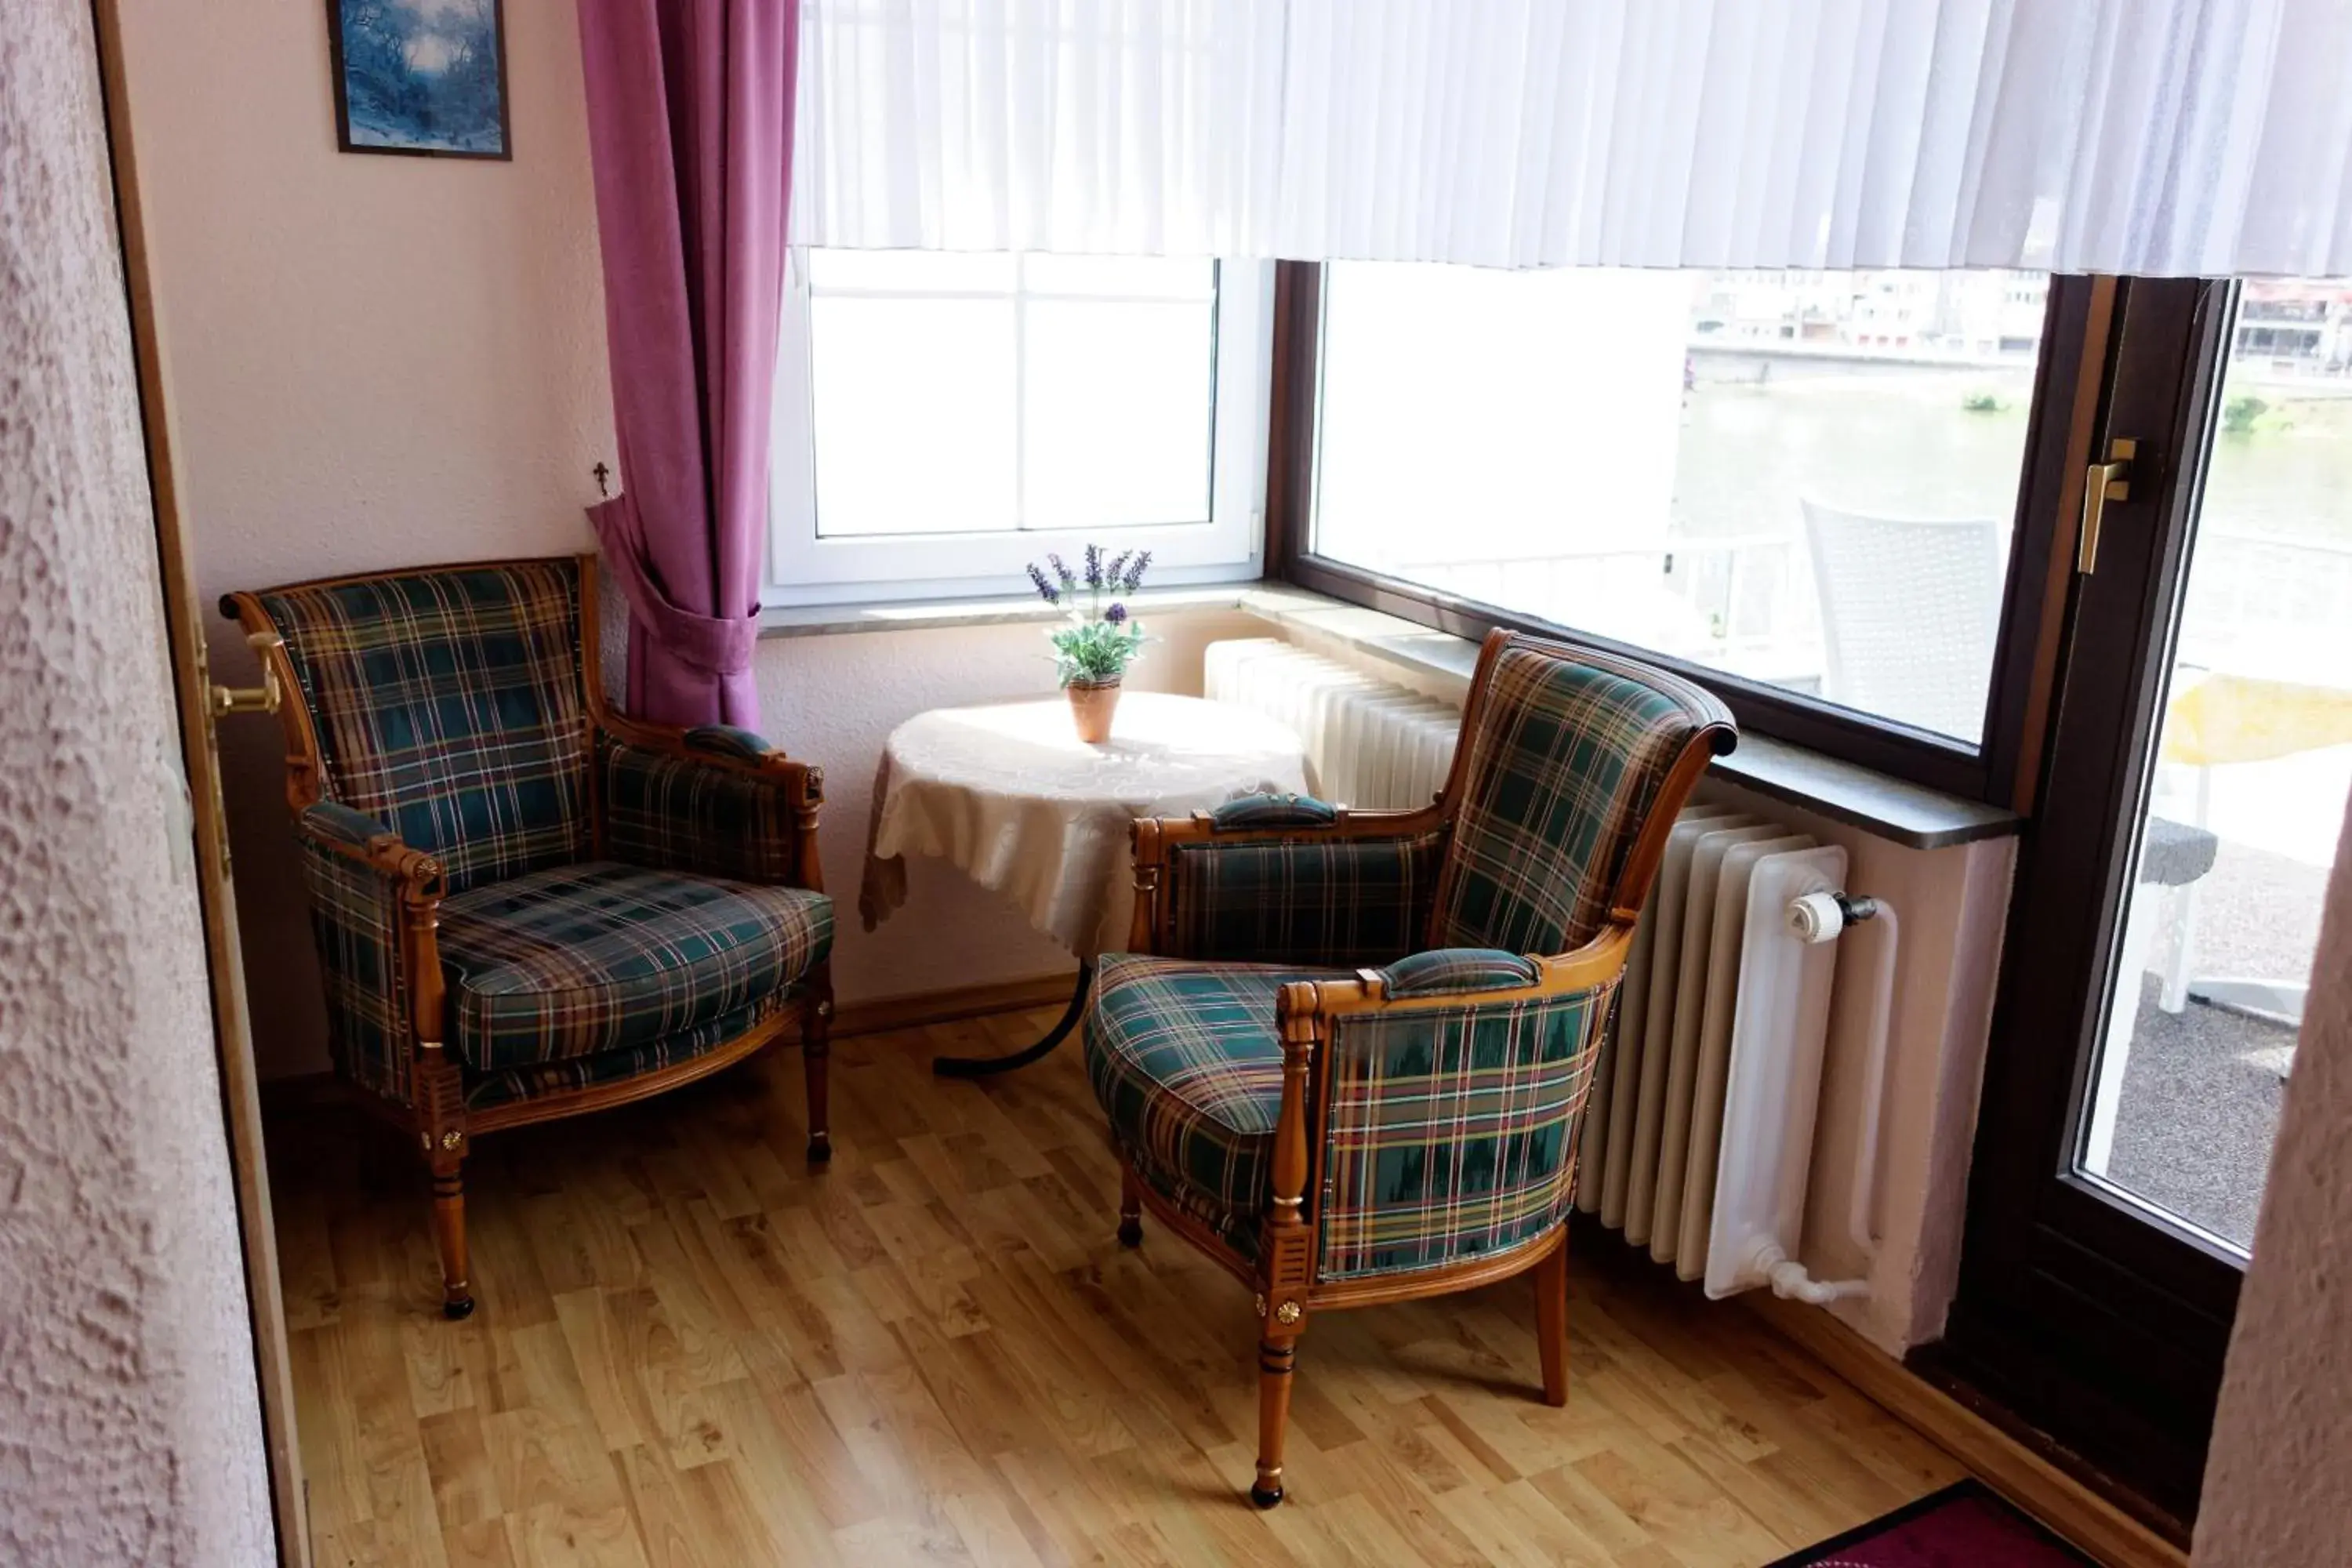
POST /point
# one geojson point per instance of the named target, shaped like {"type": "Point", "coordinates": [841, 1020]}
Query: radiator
{"type": "Point", "coordinates": [1698, 1139]}
{"type": "Point", "coordinates": [1370, 743]}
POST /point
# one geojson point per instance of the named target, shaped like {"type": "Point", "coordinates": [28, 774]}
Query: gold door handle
{"type": "Point", "coordinates": [2102, 483]}
{"type": "Point", "coordinates": [265, 697]}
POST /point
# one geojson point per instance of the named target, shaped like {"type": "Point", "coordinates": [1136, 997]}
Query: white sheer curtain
{"type": "Point", "coordinates": [2143, 136]}
{"type": "Point", "coordinates": [1091, 127]}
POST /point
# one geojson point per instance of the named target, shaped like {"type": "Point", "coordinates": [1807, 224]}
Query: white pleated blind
{"type": "Point", "coordinates": [2156, 137]}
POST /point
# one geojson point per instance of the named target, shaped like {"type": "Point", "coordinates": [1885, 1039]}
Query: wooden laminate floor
{"type": "Point", "coordinates": [687, 1349]}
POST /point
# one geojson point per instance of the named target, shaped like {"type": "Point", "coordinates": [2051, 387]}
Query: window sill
{"type": "Point", "coordinates": [927, 614]}
{"type": "Point", "coordinates": [1910, 815]}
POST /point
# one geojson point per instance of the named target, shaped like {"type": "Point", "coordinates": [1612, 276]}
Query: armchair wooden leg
{"type": "Point", "coordinates": [449, 1235]}
{"type": "Point", "coordinates": [1278, 1357]}
{"type": "Point", "coordinates": [1551, 1318]}
{"type": "Point", "coordinates": [1130, 1206]}
{"type": "Point", "coordinates": [441, 1125]}
{"type": "Point", "coordinates": [816, 1052]}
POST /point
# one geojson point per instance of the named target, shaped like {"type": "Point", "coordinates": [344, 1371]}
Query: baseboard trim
{"type": "Point", "coordinates": [909, 1012]}
{"type": "Point", "coordinates": [2030, 1480]}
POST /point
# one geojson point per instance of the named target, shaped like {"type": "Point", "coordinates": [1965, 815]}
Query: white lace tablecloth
{"type": "Point", "coordinates": [1012, 798]}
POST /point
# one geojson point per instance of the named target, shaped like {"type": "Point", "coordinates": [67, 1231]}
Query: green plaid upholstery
{"type": "Point", "coordinates": [1185, 1061]}
{"type": "Point", "coordinates": [448, 707]}
{"type": "Point", "coordinates": [1451, 1130]}
{"type": "Point", "coordinates": [1447, 969]}
{"type": "Point", "coordinates": [1272, 811]}
{"type": "Point", "coordinates": [677, 813]}
{"type": "Point", "coordinates": [1565, 761]}
{"type": "Point", "coordinates": [1447, 1131]}
{"type": "Point", "coordinates": [1341, 901]}
{"type": "Point", "coordinates": [597, 957]}
{"type": "Point", "coordinates": [355, 914]}
{"type": "Point", "coordinates": [508, 1084]}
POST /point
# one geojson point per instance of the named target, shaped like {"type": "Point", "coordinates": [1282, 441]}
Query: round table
{"type": "Point", "coordinates": [1009, 796]}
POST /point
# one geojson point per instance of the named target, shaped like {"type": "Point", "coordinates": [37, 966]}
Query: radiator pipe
{"type": "Point", "coordinates": [1818, 918]}
{"type": "Point", "coordinates": [1792, 1283]}
{"type": "Point", "coordinates": [1861, 1216]}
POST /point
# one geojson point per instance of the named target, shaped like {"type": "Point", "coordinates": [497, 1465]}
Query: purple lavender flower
{"type": "Point", "coordinates": [1135, 573]}
{"type": "Point", "coordinates": [1046, 590]}
{"type": "Point", "coordinates": [1114, 573]}
{"type": "Point", "coordinates": [1094, 566]}
{"type": "Point", "coordinates": [1116, 614]}
{"type": "Point", "coordinates": [1061, 571]}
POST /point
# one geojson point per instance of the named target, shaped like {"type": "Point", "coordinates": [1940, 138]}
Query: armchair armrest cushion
{"type": "Point", "coordinates": [1322, 901]}
{"type": "Point", "coordinates": [1449, 969]}
{"type": "Point", "coordinates": [1272, 811]}
{"type": "Point", "coordinates": [356, 915]}
{"type": "Point", "coordinates": [337, 823]}
{"type": "Point", "coordinates": [727, 740]}
{"type": "Point", "coordinates": [679, 813]}
{"type": "Point", "coordinates": [1450, 1131]}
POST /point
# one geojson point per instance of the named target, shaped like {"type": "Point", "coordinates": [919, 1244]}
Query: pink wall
{"type": "Point", "coordinates": [378, 361]}
{"type": "Point", "coordinates": [130, 1428]}
{"type": "Point", "coordinates": [2278, 1482]}
{"type": "Point", "coordinates": [372, 362]}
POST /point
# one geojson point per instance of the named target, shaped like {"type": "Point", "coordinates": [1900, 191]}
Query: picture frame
{"type": "Point", "coordinates": [412, 77]}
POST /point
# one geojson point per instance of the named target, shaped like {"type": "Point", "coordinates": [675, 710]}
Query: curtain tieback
{"type": "Point", "coordinates": [717, 645]}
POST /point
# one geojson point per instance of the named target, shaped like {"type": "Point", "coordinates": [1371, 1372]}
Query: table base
{"type": "Point", "coordinates": [982, 1067]}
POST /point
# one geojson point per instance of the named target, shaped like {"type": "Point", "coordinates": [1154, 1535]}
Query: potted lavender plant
{"type": "Point", "coordinates": [1092, 653]}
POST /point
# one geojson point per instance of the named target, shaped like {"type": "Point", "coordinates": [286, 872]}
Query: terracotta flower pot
{"type": "Point", "coordinates": [1092, 703]}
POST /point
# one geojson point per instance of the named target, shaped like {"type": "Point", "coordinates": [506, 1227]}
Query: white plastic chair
{"type": "Point", "coordinates": [1909, 611]}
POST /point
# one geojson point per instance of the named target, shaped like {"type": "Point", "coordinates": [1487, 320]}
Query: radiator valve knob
{"type": "Point", "coordinates": [1816, 917]}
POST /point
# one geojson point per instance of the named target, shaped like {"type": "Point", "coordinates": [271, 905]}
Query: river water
{"type": "Point", "coordinates": [1905, 444]}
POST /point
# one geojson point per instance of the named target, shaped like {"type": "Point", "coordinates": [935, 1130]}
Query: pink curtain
{"type": "Point", "coordinates": [690, 132]}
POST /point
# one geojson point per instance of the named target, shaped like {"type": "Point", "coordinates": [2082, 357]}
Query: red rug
{"type": "Point", "coordinates": [1963, 1526]}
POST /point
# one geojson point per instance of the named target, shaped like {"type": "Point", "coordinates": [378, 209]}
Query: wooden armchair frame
{"type": "Point", "coordinates": [1284, 1275]}
{"type": "Point", "coordinates": [435, 1115]}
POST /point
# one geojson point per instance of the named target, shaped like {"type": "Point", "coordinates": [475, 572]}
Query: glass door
{"type": "Point", "coordinates": [2245, 787]}
{"type": "Point", "coordinates": [2189, 795]}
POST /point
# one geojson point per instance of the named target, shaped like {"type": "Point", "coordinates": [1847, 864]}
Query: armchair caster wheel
{"type": "Point", "coordinates": [1266, 1498]}
{"type": "Point", "coordinates": [1130, 1231]}
{"type": "Point", "coordinates": [820, 1150]}
{"type": "Point", "coordinates": [454, 1311]}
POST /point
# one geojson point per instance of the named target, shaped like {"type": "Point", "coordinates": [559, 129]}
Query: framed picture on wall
{"type": "Point", "coordinates": [426, 78]}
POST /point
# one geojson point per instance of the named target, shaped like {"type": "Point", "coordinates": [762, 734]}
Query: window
{"type": "Point", "coordinates": [1804, 480]}
{"type": "Point", "coordinates": [941, 419]}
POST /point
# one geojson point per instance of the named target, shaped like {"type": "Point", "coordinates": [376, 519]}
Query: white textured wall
{"type": "Point", "coordinates": [130, 1429]}
{"type": "Point", "coordinates": [2278, 1480]}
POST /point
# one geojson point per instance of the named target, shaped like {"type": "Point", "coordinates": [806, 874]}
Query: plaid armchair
{"type": "Point", "coordinates": [1349, 1058]}
{"type": "Point", "coordinates": [528, 906]}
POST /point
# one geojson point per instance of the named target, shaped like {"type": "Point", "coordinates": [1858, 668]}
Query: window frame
{"type": "Point", "coordinates": [806, 568]}
{"type": "Point", "coordinates": [1999, 770]}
